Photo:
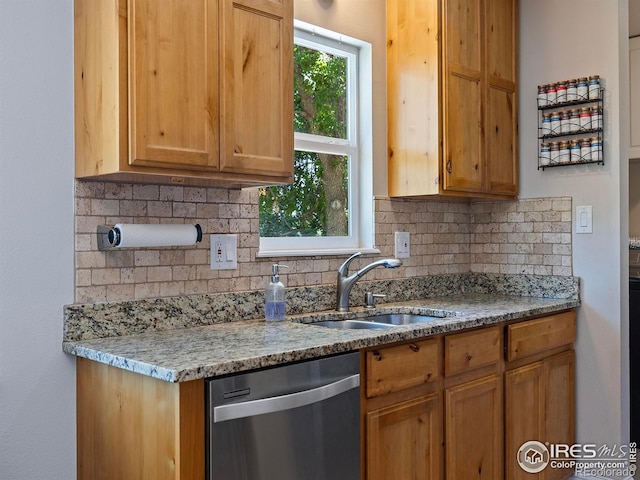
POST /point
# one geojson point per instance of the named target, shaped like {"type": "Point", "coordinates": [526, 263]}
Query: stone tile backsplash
{"type": "Point", "coordinates": [526, 236]}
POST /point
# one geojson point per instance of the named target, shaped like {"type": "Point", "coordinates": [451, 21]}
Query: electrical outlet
{"type": "Point", "coordinates": [402, 245]}
{"type": "Point", "coordinates": [224, 252]}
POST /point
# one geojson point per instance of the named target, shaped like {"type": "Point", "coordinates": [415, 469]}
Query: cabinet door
{"type": "Point", "coordinates": [404, 441]}
{"type": "Point", "coordinates": [463, 159]}
{"type": "Point", "coordinates": [559, 372]}
{"type": "Point", "coordinates": [540, 405]}
{"type": "Point", "coordinates": [524, 414]}
{"type": "Point", "coordinates": [257, 87]}
{"type": "Point", "coordinates": [501, 131]}
{"type": "Point", "coordinates": [413, 97]}
{"type": "Point", "coordinates": [173, 76]}
{"type": "Point", "coordinates": [473, 426]}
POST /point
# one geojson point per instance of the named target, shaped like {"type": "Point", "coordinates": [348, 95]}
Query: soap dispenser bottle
{"type": "Point", "coordinates": [274, 304]}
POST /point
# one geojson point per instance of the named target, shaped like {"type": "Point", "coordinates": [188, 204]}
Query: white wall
{"type": "Point", "coordinates": [37, 380]}
{"type": "Point", "coordinates": [549, 52]}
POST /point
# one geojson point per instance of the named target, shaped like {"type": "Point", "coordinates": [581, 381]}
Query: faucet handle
{"type": "Point", "coordinates": [369, 299]}
{"type": "Point", "coordinates": [344, 268]}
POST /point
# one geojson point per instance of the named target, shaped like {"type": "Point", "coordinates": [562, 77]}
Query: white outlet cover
{"type": "Point", "coordinates": [402, 245]}
{"type": "Point", "coordinates": [224, 251]}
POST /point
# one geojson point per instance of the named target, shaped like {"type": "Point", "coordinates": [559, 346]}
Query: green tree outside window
{"type": "Point", "coordinates": [317, 203]}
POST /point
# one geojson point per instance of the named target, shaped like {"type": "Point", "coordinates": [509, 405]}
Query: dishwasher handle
{"type": "Point", "coordinates": [284, 402]}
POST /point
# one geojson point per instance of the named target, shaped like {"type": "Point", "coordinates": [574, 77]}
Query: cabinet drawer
{"type": "Point", "coordinates": [533, 336]}
{"type": "Point", "coordinates": [467, 351]}
{"type": "Point", "coordinates": [394, 368]}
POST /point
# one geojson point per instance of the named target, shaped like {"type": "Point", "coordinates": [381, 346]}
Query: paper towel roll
{"type": "Point", "coordinates": [124, 235]}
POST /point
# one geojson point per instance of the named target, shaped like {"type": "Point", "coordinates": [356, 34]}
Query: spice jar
{"type": "Point", "coordinates": [596, 149]}
{"type": "Point", "coordinates": [585, 149]}
{"type": "Point", "coordinates": [564, 155]}
{"type": "Point", "coordinates": [554, 148]}
{"type": "Point", "coordinates": [542, 95]}
{"type": "Point", "coordinates": [565, 121]}
{"type": "Point", "coordinates": [594, 87]}
{"type": "Point", "coordinates": [585, 118]}
{"type": "Point", "coordinates": [574, 151]}
{"type": "Point", "coordinates": [555, 123]}
{"type": "Point", "coordinates": [546, 124]}
{"type": "Point", "coordinates": [545, 154]}
{"type": "Point", "coordinates": [583, 88]}
{"type": "Point", "coordinates": [596, 118]}
{"type": "Point", "coordinates": [572, 90]}
{"type": "Point", "coordinates": [551, 94]}
{"type": "Point", "coordinates": [574, 120]}
{"type": "Point", "coordinates": [561, 92]}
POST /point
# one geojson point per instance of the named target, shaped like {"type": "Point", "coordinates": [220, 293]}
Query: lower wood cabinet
{"type": "Point", "coordinates": [404, 440]}
{"type": "Point", "coordinates": [540, 405]}
{"type": "Point", "coordinates": [132, 426]}
{"type": "Point", "coordinates": [473, 404]}
{"type": "Point", "coordinates": [459, 406]}
{"type": "Point", "coordinates": [473, 430]}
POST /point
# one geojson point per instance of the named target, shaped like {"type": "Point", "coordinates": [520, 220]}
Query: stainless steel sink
{"type": "Point", "coordinates": [402, 319]}
{"type": "Point", "coordinates": [350, 324]}
{"type": "Point", "coordinates": [378, 321]}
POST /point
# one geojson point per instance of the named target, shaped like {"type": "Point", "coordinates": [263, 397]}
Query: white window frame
{"type": "Point", "coordinates": [358, 146]}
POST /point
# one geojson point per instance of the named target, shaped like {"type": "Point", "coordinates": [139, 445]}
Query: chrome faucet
{"type": "Point", "coordinates": [346, 283]}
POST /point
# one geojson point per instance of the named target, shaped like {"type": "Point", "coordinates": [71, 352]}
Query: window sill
{"type": "Point", "coordinates": [315, 252]}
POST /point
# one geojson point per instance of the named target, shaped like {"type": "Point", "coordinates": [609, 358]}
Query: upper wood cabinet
{"type": "Point", "coordinates": [184, 91]}
{"type": "Point", "coordinates": [451, 98]}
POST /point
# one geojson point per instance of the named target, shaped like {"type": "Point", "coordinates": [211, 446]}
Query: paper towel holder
{"type": "Point", "coordinates": [109, 238]}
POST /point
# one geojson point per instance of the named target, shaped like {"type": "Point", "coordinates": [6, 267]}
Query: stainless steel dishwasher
{"type": "Point", "coordinates": [300, 421]}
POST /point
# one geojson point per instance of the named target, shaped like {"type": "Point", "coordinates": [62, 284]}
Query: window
{"type": "Point", "coordinates": [328, 208]}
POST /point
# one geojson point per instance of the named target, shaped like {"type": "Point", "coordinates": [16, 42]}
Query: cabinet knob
{"type": "Point", "coordinates": [449, 166]}
{"type": "Point", "coordinates": [469, 357]}
{"type": "Point", "coordinates": [414, 348]}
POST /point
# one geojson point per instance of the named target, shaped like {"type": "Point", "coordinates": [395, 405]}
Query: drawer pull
{"type": "Point", "coordinates": [377, 356]}
{"type": "Point", "coordinates": [469, 357]}
{"type": "Point", "coordinates": [414, 348]}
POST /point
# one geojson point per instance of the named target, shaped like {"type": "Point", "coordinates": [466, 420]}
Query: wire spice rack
{"type": "Point", "coordinates": [569, 138]}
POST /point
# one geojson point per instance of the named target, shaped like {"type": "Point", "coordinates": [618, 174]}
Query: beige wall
{"type": "Point", "coordinates": [549, 52]}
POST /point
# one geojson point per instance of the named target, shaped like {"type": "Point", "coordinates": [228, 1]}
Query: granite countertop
{"type": "Point", "coordinates": [196, 352]}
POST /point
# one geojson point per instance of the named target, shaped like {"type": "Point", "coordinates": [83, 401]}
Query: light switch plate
{"type": "Point", "coordinates": [224, 252]}
{"type": "Point", "coordinates": [402, 245]}
{"type": "Point", "coordinates": [584, 219]}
